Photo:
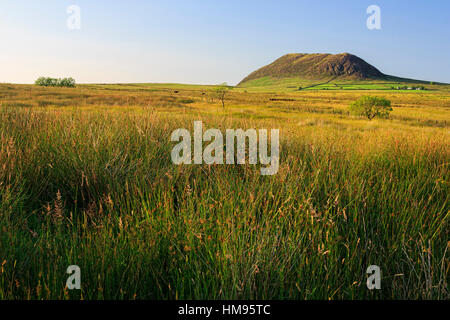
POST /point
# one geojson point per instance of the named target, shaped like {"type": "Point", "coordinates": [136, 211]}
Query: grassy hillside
{"type": "Point", "coordinates": [86, 179]}
{"type": "Point", "coordinates": [317, 66]}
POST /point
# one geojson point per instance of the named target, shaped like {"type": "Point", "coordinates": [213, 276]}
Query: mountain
{"type": "Point", "coordinates": [318, 66]}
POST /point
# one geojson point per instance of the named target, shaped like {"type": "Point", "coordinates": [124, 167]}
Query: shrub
{"type": "Point", "coordinates": [187, 101]}
{"type": "Point", "coordinates": [66, 82]}
{"type": "Point", "coordinates": [371, 107]}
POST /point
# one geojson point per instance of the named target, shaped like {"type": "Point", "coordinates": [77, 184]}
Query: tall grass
{"type": "Point", "coordinates": [96, 187]}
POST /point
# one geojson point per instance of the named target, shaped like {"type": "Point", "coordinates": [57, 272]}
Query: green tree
{"type": "Point", "coordinates": [66, 82]}
{"type": "Point", "coordinates": [371, 107]}
{"type": "Point", "coordinates": [40, 81]}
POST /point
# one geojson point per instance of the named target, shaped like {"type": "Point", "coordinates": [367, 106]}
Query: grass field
{"type": "Point", "coordinates": [300, 84]}
{"type": "Point", "coordinates": [86, 179]}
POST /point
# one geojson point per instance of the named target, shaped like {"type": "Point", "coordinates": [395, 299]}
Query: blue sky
{"type": "Point", "coordinates": [210, 42]}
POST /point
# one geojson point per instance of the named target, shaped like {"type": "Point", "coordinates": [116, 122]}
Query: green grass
{"type": "Point", "coordinates": [90, 182]}
{"type": "Point", "coordinates": [277, 84]}
{"type": "Point", "coordinates": [292, 84]}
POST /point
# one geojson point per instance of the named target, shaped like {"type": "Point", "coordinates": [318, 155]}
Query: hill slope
{"type": "Point", "coordinates": [318, 66]}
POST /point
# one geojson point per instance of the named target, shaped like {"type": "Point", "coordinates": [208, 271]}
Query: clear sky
{"type": "Point", "coordinates": [211, 41]}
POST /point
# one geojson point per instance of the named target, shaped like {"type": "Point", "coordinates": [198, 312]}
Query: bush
{"type": "Point", "coordinates": [186, 101]}
{"type": "Point", "coordinates": [371, 107]}
{"type": "Point", "coordinates": [52, 82]}
{"type": "Point", "coordinates": [66, 82]}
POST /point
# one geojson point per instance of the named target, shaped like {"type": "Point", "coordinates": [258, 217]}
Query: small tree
{"type": "Point", "coordinates": [66, 82]}
{"type": "Point", "coordinates": [371, 107]}
{"type": "Point", "coordinates": [40, 81]}
{"type": "Point", "coordinates": [221, 92]}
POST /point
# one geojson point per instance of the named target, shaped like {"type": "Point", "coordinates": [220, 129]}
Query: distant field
{"type": "Point", "coordinates": [298, 84]}
{"type": "Point", "coordinates": [86, 179]}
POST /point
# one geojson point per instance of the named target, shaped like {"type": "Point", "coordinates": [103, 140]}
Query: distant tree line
{"type": "Point", "coordinates": [53, 82]}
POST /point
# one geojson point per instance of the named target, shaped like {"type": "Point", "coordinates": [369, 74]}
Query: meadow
{"type": "Point", "coordinates": [86, 179]}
